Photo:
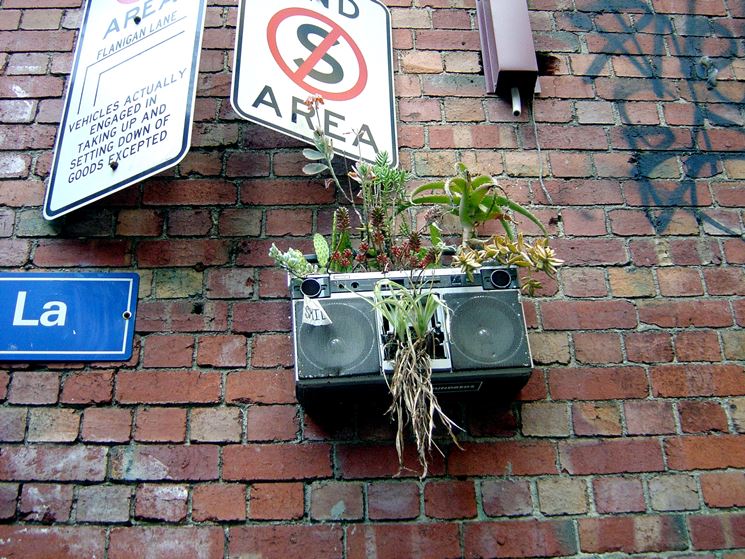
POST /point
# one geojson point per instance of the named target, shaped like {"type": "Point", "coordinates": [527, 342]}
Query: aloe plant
{"type": "Point", "coordinates": [474, 200]}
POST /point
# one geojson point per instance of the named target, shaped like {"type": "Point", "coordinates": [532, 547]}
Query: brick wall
{"type": "Point", "coordinates": [627, 440]}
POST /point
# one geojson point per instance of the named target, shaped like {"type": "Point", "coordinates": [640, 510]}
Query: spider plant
{"type": "Point", "coordinates": [409, 311]}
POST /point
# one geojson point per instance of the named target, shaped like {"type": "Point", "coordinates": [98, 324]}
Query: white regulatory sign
{"type": "Point", "coordinates": [129, 104]}
{"type": "Point", "coordinates": [339, 49]}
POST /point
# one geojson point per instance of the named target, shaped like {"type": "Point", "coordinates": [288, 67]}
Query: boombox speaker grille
{"type": "Point", "coordinates": [348, 346]}
{"type": "Point", "coordinates": [487, 330]}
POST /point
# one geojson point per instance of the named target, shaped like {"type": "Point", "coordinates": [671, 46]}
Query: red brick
{"type": "Point", "coordinates": [584, 222]}
{"type": "Point", "coordinates": [671, 381]}
{"type": "Point", "coordinates": [207, 252]}
{"type": "Point", "coordinates": [506, 498]}
{"type": "Point", "coordinates": [649, 417]}
{"type": "Point", "coordinates": [276, 462]}
{"type": "Point", "coordinates": [618, 494]}
{"type": "Point", "coordinates": [588, 315]}
{"type": "Point", "coordinates": [583, 192]}
{"type": "Point", "coordinates": [187, 316]}
{"type": "Point", "coordinates": [13, 252]}
{"type": "Point", "coordinates": [263, 192]}
{"type": "Point", "coordinates": [88, 388]}
{"type": "Point", "coordinates": [596, 418]}
{"type": "Point", "coordinates": [221, 502]}
{"type": "Point", "coordinates": [520, 538]}
{"type": "Point", "coordinates": [661, 533]}
{"type": "Point", "coordinates": [450, 499]}
{"type": "Point", "coordinates": [32, 387]}
{"type": "Point", "coordinates": [89, 253]}
{"type": "Point", "coordinates": [222, 351]}
{"type": "Point", "coordinates": [59, 542]}
{"type": "Point", "coordinates": [215, 424]}
{"type": "Point", "coordinates": [335, 501]}
{"type": "Point", "coordinates": [45, 502]}
{"type": "Point", "coordinates": [102, 425]}
{"type": "Point", "coordinates": [606, 383]}
{"type": "Point", "coordinates": [388, 541]}
{"type": "Point", "coordinates": [12, 424]}
{"type": "Point", "coordinates": [160, 387]}
{"type": "Point", "coordinates": [230, 284]}
{"type": "Point", "coordinates": [678, 282]}
{"type": "Point", "coordinates": [272, 350]}
{"type": "Point", "coordinates": [597, 347]}
{"type": "Point", "coordinates": [286, 541]}
{"type": "Point", "coordinates": [500, 458]}
{"type": "Point", "coordinates": [391, 500]}
{"type": "Point", "coordinates": [705, 452]}
{"type": "Point", "coordinates": [276, 501]}
{"type": "Point", "coordinates": [374, 461]}
{"type": "Point", "coordinates": [264, 387]}
{"type": "Point", "coordinates": [702, 417]}
{"type": "Point", "coordinates": [682, 314]}
{"type": "Point", "coordinates": [53, 463]}
{"type": "Point", "coordinates": [29, 41]}
{"type": "Point", "coordinates": [166, 503]}
{"type": "Point", "coordinates": [192, 192]}
{"type": "Point", "coordinates": [725, 281]}
{"type": "Point", "coordinates": [649, 347]}
{"type": "Point", "coordinates": [697, 345]}
{"type": "Point", "coordinates": [611, 456]}
{"type": "Point", "coordinates": [165, 462]}
{"type": "Point", "coordinates": [272, 423]}
{"type": "Point", "coordinates": [53, 425]}
{"type": "Point", "coordinates": [721, 531]}
{"type": "Point", "coordinates": [167, 543]}
{"type": "Point", "coordinates": [168, 351]}
{"type": "Point", "coordinates": [160, 425]}
{"type": "Point", "coordinates": [630, 223]}
{"type": "Point", "coordinates": [188, 222]}
{"type": "Point", "coordinates": [723, 489]}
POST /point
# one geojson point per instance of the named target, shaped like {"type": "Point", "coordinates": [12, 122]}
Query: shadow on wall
{"type": "Point", "coordinates": [657, 147]}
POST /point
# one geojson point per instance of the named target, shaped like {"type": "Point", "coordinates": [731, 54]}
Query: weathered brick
{"type": "Point", "coordinates": [391, 500]}
{"type": "Point", "coordinates": [103, 503]}
{"type": "Point", "coordinates": [588, 315]}
{"type": "Point", "coordinates": [649, 417]}
{"type": "Point", "coordinates": [723, 489]}
{"type": "Point", "coordinates": [545, 419]}
{"type": "Point", "coordinates": [12, 424]}
{"type": "Point", "coordinates": [165, 462]}
{"type": "Point", "coordinates": [702, 417]}
{"type": "Point", "coordinates": [720, 531]}
{"type": "Point", "coordinates": [596, 418]}
{"type": "Point", "coordinates": [670, 381]}
{"type": "Point", "coordinates": [518, 458]}
{"type": "Point", "coordinates": [88, 388]}
{"type": "Point", "coordinates": [271, 423]}
{"type": "Point", "coordinates": [219, 502]}
{"type": "Point", "coordinates": [682, 314]}
{"type": "Point", "coordinates": [276, 462]}
{"type": "Point", "coordinates": [387, 541]}
{"type": "Point", "coordinates": [106, 425]}
{"type": "Point", "coordinates": [618, 494]}
{"type": "Point", "coordinates": [166, 503]}
{"type": "Point", "coordinates": [650, 346]}
{"type": "Point", "coordinates": [53, 463]}
{"type": "Point", "coordinates": [561, 496]}
{"type": "Point", "coordinates": [701, 452]}
{"type": "Point", "coordinates": [597, 347]}
{"type": "Point", "coordinates": [611, 456]}
{"type": "Point", "coordinates": [160, 425]}
{"type": "Point", "coordinates": [520, 538]}
{"type": "Point", "coordinates": [673, 493]}
{"type": "Point", "coordinates": [336, 501]}
{"type": "Point", "coordinates": [598, 383]}
{"type": "Point", "coordinates": [166, 543]}
{"type": "Point", "coordinates": [60, 542]}
{"type": "Point", "coordinates": [161, 387]}
{"type": "Point", "coordinates": [276, 501]}
{"type": "Point", "coordinates": [45, 502]}
{"type": "Point", "coordinates": [285, 541]}
{"type": "Point", "coordinates": [450, 499]}
{"type": "Point", "coordinates": [661, 533]}
{"type": "Point", "coordinates": [53, 425]}
{"type": "Point", "coordinates": [215, 425]}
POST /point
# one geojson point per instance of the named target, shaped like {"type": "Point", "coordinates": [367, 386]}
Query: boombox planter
{"type": "Point", "coordinates": [477, 339]}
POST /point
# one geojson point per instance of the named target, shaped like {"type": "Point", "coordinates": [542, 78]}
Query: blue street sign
{"type": "Point", "coordinates": [67, 316]}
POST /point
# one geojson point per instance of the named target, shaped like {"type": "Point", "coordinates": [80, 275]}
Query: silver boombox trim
{"type": "Point", "coordinates": [480, 333]}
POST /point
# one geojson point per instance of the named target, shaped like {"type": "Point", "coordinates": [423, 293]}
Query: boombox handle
{"type": "Point", "coordinates": [313, 259]}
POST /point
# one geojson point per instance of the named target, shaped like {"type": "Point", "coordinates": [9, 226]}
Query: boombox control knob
{"type": "Point", "coordinates": [501, 279]}
{"type": "Point", "coordinates": [311, 287]}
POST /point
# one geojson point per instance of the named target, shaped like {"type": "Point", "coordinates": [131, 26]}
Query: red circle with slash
{"type": "Point", "coordinates": [298, 76]}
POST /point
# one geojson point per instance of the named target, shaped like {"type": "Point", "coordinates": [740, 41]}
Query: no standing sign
{"type": "Point", "coordinates": [339, 49]}
{"type": "Point", "coordinates": [129, 103]}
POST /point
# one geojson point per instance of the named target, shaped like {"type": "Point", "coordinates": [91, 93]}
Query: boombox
{"type": "Point", "coordinates": [480, 337]}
